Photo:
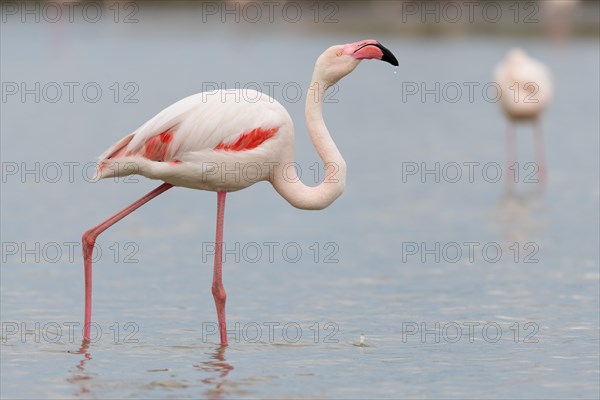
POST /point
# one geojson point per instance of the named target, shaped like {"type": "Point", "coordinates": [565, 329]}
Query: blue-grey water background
{"type": "Point", "coordinates": [152, 298]}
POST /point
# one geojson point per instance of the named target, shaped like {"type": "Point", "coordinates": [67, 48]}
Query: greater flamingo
{"type": "Point", "coordinates": [526, 88]}
{"type": "Point", "coordinates": [198, 141]}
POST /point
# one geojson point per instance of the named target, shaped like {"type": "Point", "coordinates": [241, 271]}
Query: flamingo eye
{"type": "Point", "coordinates": [339, 52]}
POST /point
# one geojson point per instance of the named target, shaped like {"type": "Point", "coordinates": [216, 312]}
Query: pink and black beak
{"type": "Point", "coordinates": [370, 49]}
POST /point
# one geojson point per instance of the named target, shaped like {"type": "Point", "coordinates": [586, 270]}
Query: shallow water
{"type": "Point", "coordinates": [524, 325]}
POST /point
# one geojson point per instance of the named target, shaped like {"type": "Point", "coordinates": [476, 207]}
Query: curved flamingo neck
{"type": "Point", "coordinates": [289, 185]}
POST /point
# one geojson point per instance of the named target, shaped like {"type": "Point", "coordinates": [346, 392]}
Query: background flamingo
{"type": "Point", "coordinates": [557, 19]}
{"type": "Point", "coordinates": [526, 91]}
{"type": "Point", "coordinates": [199, 140]}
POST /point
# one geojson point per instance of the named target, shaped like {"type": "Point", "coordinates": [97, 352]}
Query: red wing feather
{"type": "Point", "coordinates": [248, 140]}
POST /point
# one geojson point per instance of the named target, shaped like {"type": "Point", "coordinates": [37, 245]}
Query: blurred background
{"type": "Point", "coordinates": [463, 283]}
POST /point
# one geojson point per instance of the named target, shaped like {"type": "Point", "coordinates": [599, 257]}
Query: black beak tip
{"type": "Point", "coordinates": [392, 60]}
{"type": "Point", "coordinates": [387, 55]}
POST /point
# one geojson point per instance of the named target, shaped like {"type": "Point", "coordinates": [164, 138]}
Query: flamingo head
{"type": "Point", "coordinates": [338, 61]}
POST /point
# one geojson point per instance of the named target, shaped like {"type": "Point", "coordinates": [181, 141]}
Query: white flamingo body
{"type": "Point", "coordinates": [526, 85]}
{"type": "Point", "coordinates": [206, 140]}
{"type": "Point", "coordinates": [199, 124]}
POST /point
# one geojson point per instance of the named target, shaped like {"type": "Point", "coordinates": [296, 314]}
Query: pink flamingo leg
{"type": "Point", "coordinates": [89, 239]}
{"type": "Point", "coordinates": [539, 151]}
{"type": "Point", "coordinates": [218, 290]}
{"type": "Point", "coordinates": [511, 151]}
